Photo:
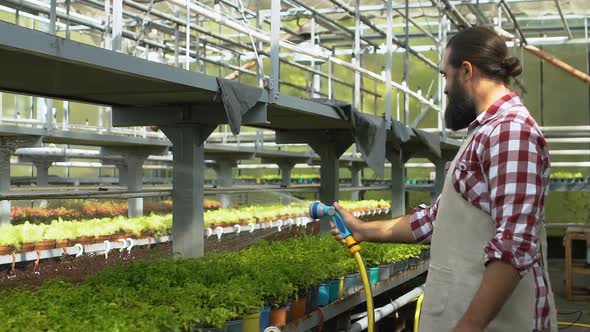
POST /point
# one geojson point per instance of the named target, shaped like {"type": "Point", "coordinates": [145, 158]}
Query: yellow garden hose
{"type": "Point", "coordinates": [318, 210]}
{"type": "Point", "coordinates": [417, 314]}
{"type": "Point", "coordinates": [368, 293]}
{"type": "Point", "coordinates": [574, 324]}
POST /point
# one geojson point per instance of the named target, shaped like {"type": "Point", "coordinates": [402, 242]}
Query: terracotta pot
{"type": "Point", "coordinates": [5, 250]}
{"type": "Point", "coordinates": [45, 245]}
{"type": "Point", "coordinates": [278, 317]}
{"type": "Point", "coordinates": [25, 247]}
{"type": "Point", "coordinates": [84, 240]}
{"type": "Point", "coordinates": [298, 308]}
{"type": "Point", "coordinates": [102, 238]}
{"type": "Point", "coordinates": [219, 224]}
{"type": "Point", "coordinates": [146, 234]}
{"type": "Point", "coordinates": [118, 236]}
{"type": "Point", "coordinates": [62, 243]}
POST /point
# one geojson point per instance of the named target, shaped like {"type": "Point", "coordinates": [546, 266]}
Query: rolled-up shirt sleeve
{"type": "Point", "coordinates": [422, 221]}
{"type": "Point", "coordinates": [516, 159]}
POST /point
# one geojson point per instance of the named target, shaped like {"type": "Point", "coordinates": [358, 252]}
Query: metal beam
{"type": "Point", "coordinates": [516, 25]}
{"type": "Point", "coordinates": [382, 33]}
{"type": "Point", "coordinates": [331, 21]}
{"type": "Point", "coordinates": [563, 19]}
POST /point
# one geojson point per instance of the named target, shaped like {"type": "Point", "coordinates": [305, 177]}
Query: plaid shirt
{"type": "Point", "coordinates": [508, 178]}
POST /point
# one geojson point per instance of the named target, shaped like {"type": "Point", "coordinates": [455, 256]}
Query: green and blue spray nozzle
{"type": "Point", "coordinates": [318, 210]}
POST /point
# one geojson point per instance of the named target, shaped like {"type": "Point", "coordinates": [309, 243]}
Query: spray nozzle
{"type": "Point", "coordinates": [318, 210]}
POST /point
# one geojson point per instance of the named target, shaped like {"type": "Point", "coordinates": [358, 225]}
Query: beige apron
{"type": "Point", "coordinates": [461, 231]}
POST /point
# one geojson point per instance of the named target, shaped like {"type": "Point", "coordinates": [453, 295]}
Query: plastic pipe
{"type": "Point", "coordinates": [387, 310]}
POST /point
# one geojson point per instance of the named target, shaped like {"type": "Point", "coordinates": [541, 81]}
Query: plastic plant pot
{"type": "Point", "coordinates": [351, 283]}
{"type": "Point", "coordinates": [234, 326]}
{"type": "Point", "coordinates": [264, 318]}
{"type": "Point", "coordinates": [404, 265]}
{"type": "Point", "coordinates": [312, 299]}
{"type": "Point", "coordinates": [384, 272]}
{"type": "Point", "coordinates": [413, 262]}
{"type": "Point", "coordinates": [323, 294]}
{"type": "Point", "coordinates": [278, 317]}
{"type": "Point", "coordinates": [334, 285]}
{"type": "Point", "coordinates": [298, 308]}
{"type": "Point", "coordinates": [373, 275]}
{"type": "Point", "coordinates": [252, 322]}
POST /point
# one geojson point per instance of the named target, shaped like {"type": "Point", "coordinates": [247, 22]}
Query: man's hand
{"type": "Point", "coordinates": [354, 224]}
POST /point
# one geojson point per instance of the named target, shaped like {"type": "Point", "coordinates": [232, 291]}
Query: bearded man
{"type": "Point", "coordinates": [488, 266]}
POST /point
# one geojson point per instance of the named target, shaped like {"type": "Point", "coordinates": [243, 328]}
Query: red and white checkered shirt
{"type": "Point", "coordinates": [508, 178]}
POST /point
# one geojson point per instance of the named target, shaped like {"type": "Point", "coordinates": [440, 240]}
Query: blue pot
{"type": "Point", "coordinates": [264, 318]}
{"type": "Point", "coordinates": [323, 294]}
{"type": "Point", "coordinates": [312, 300]}
{"type": "Point", "coordinates": [334, 284]}
{"type": "Point", "coordinates": [234, 326]}
{"type": "Point", "coordinates": [373, 275]}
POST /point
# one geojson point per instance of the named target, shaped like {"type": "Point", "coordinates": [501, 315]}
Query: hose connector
{"type": "Point", "coordinates": [318, 210]}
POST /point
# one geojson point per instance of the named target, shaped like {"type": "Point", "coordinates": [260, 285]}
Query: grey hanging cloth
{"type": "Point", "coordinates": [400, 131]}
{"type": "Point", "coordinates": [430, 140]}
{"type": "Point", "coordinates": [369, 133]}
{"type": "Point", "coordinates": [370, 136]}
{"type": "Point", "coordinates": [237, 99]}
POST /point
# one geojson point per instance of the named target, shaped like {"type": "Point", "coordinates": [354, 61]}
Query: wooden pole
{"type": "Point", "coordinates": [558, 63]}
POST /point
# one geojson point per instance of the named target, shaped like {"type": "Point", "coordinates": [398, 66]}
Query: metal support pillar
{"type": "Point", "coordinates": [398, 182]}
{"type": "Point", "coordinates": [42, 166]}
{"type": "Point", "coordinates": [357, 55]}
{"type": "Point", "coordinates": [406, 80]}
{"type": "Point", "coordinates": [328, 174]}
{"type": "Point", "coordinates": [122, 170]}
{"type": "Point", "coordinates": [388, 63]}
{"type": "Point", "coordinates": [117, 25]}
{"type": "Point", "coordinates": [223, 168]}
{"type": "Point", "coordinates": [329, 145]}
{"type": "Point", "coordinates": [188, 189]}
{"type": "Point", "coordinates": [275, 34]}
{"type": "Point", "coordinates": [131, 172]}
{"type": "Point", "coordinates": [134, 182]}
{"type": "Point", "coordinates": [356, 177]}
{"type": "Point", "coordinates": [5, 184]}
{"type": "Point", "coordinates": [8, 144]}
{"type": "Point", "coordinates": [286, 169]}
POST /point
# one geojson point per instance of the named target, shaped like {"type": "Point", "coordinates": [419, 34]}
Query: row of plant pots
{"type": "Point", "coordinates": [56, 234]}
{"type": "Point", "coordinates": [177, 294]}
{"type": "Point", "coordinates": [81, 209]}
{"type": "Point", "coordinates": [324, 294]}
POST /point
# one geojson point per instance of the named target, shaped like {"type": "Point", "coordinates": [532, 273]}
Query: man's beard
{"type": "Point", "coordinates": [460, 111]}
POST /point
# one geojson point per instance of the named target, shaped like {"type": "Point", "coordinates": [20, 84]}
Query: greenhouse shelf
{"type": "Point", "coordinates": [218, 232]}
{"type": "Point", "coordinates": [336, 308]}
{"type": "Point", "coordinates": [79, 249]}
{"type": "Point", "coordinates": [102, 247]}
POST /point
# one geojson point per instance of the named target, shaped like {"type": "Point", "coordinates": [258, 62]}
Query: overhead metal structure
{"type": "Point", "coordinates": [158, 64]}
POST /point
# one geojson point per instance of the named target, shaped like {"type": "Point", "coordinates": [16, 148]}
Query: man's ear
{"type": "Point", "coordinates": [467, 70]}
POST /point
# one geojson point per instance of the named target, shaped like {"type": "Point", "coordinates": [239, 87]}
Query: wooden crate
{"type": "Point", "coordinates": [571, 266]}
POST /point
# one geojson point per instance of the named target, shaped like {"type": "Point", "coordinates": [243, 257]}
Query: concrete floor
{"type": "Point", "coordinates": [556, 274]}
